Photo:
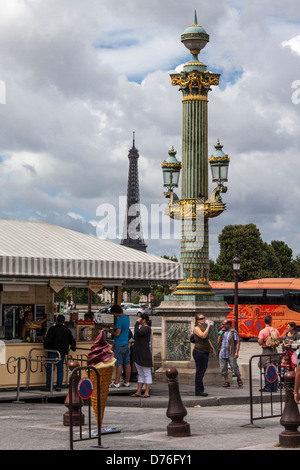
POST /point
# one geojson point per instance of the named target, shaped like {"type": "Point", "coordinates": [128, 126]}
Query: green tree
{"type": "Point", "coordinates": [258, 259]}
{"type": "Point", "coordinates": [78, 295]}
{"type": "Point", "coordinates": [158, 295]}
{"type": "Point", "coordinates": [285, 255]}
{"type": "Point", "coordinates": [271, 266]}
{"type": "Point", "coordinates": [171, 258]}
{"type": "Point", "coordinates": [296, 267]}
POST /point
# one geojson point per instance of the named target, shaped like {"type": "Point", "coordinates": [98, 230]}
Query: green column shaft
{"type": "Point", "coordinates": [195, 82]}
{"type": "Point", "coordinates": [194, 255]}
{"type": "Point", "coordinates": [194, 149]}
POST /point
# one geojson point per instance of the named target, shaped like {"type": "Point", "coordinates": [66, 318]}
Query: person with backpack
{"type": "Point", "coordinates": [269, 340]}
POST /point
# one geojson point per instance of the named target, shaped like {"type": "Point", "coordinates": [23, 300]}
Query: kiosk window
{"type": "Point", "coordinates": [13, 319]}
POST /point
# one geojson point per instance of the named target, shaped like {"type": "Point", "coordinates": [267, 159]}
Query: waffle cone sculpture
{"type": "Point", "coordinates": [102, 358]}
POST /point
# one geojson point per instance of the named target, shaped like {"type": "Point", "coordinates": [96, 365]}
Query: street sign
{"type": "Point", "coordinates": [271, 373]}
{"type": "Point", "coordinates": [85, 388]}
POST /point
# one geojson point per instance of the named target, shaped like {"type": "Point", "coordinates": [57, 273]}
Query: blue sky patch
{"type": "Point", "coordinates": [118, 40]}
{"type": "Point", "coordinates": [228, 77]}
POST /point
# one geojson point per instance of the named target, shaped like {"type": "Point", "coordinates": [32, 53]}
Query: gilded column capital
{"type": "Point", "coordinates": [195, 84]}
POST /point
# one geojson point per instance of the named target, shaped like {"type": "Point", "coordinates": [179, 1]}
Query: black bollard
{"type": "Point", "coordinates": [77, 415]}
{"type": "Point", "coordinates": [176, 410]}
{"type": "Point", "coordinates": [290, 417]}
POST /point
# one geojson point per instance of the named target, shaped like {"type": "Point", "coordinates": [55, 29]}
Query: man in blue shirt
{"type": "Point", "coordinates": [121, 346]}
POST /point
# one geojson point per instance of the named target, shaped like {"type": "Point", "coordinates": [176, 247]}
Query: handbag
{"type": "Point", "coordinates": [192, 338]}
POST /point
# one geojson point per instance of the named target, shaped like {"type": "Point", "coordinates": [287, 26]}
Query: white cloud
{"type": "Point", "coordinates": [294, 44]}
{"type": "Point", "coordinates": [80, 77]}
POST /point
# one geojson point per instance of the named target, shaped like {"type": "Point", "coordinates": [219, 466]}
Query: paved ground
{"type": "Point", "coordinates": [39, 426]}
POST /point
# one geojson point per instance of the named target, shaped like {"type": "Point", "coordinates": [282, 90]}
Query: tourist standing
{"type": "Point", "coordinates": [142, 355]}
{"type": "Point", "coordinates": [201, 352]}
{"type": "Point", "coordinates": [121, 346]}
{"type": "Point", "coordinates": [58, 338]}
{"type": "Point", "coordinates": [268, 339]}
{"type": "Point", "coordinates": [229, 346]}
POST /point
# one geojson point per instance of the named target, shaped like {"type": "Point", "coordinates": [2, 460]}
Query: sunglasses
{"type": "Point", "coordinates": [201, 318]}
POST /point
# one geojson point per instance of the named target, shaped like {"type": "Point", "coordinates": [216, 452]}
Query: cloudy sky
{"type": "Point", "coordinates": [77, 77]}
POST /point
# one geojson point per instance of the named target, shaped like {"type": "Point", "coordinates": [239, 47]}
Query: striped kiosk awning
{"type": "Point", "coordinates": [36, 249]}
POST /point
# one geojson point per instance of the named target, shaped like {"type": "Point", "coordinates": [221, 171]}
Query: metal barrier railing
{"type": "Point", "coordinates": [270, 396]}
{"type": "Point", "coordinates": [45, 360]}
{"type": "Point", "coordinates": [53, 362]}
{"type": "Point", "coordinates": [73, 386]}
{"type": "Point", "coordinates": [18, 359]}
{"type": "Point", "coordinates": [78, 359]}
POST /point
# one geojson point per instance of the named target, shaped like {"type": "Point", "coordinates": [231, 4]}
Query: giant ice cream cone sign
{"type": "Point", "coordinates": [102, 358]}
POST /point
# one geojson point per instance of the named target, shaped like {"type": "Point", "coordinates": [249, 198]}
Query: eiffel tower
{"type": "Point", "coordinates": [132, 233]}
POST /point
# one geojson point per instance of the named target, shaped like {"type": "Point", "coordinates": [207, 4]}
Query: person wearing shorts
{"type": "Point", "coordinates": [121, 347]}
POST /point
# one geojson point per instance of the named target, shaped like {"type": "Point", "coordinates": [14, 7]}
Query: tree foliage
{"type": "Point", "coordinates": [296, 266]}
{"type": "Point", "coordinates": [78, 295]}
{"type": "Point", "coordinates": [285, 255]}
{"type": "Point", "coordinates": [258, 258]}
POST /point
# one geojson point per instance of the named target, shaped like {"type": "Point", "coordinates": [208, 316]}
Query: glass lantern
{"type": "Point", "coordinates": [171, 170]}
{"type": "Point", "coordinates": [219, 163]}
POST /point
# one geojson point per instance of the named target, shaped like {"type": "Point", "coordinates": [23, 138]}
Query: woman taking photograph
{"type": "Point", "coordinates": [201, 352]}
{"type": "Point", "coordinates": [142, 355]}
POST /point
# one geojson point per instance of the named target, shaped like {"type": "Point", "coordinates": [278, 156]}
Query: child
{"type": "Point", "coordinates": [285, 365]}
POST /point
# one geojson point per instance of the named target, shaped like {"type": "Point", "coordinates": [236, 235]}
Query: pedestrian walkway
{"type": "Point", "coordinates": [217, 395]}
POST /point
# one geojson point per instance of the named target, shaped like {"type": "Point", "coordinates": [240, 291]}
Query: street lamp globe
{"type": "Point", "coordinates": [195, 37]}
{"type": "Point", "coordinates": [219, 163]}
{"type": "Point", "coordinates": [171, 170]}
{"type": "Point", "coordinates": [236, 263]}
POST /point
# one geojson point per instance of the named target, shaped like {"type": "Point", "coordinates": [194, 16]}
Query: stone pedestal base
{"type": "Point", "coordinates": [187, 376]}
{"type": "Point", "coordinates": [178, 321]}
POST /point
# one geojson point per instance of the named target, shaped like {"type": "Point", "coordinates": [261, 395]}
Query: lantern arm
{"type": "Point", "coordinates": [215, 195]}
{"type": "Point", "coordinates": [169, 195]}
{"type": "Point", "coordinates": [173, 210]}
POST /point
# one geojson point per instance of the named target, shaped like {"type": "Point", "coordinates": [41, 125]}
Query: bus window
{"type": "Point", "coordinates": [226, 293]}
{"type": "Point", "coordinates": [293, 300]}
{"type": "Point", "coordinates": [275, 297]}
{"type": "Point", "coordinates": [250, 296]}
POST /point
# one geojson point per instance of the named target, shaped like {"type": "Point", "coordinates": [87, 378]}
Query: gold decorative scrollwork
{"type": "Point", "coordinates": [195, 80]}
{"type": "Point", "coordinates": [191, 208]}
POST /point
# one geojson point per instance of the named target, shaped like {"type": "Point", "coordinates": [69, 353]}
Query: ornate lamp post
{"type": "Point", "coordinates": [195, 207]}
{"type": "Point", "coordinates": [193, 295]}
{"type": "Point", "coordinates": [236, 263]}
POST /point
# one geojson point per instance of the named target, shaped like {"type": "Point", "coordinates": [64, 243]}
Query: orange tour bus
{"type": "Point", "coordinates": [279, 298]}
